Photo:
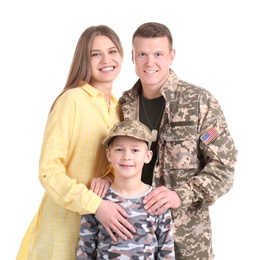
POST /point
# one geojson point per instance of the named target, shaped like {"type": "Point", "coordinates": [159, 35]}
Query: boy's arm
{"type": "Point", "coordinates": [165, 237]}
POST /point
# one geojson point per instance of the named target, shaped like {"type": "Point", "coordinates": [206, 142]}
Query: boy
{"type": "Point", "coordinates": [128, 149]}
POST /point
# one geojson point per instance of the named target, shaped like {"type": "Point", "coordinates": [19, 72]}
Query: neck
{"type": "Point", "coordinates": [104, 88]}
{"type": "Point", "coordinates": [151, 91]}
{"type": "Point", "coordinates": [129, 188]}
{"type": "Point", "coordinates": [151, 94]}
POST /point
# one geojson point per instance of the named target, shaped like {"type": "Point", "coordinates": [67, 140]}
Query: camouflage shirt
{"type": "Point", "coordinates": [153, 238]}
{"type": "Point", "coordinates": [196, 158]}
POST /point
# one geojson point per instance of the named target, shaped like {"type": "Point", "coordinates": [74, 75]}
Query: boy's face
{"type": "Point", "coordinates": [128, 155]}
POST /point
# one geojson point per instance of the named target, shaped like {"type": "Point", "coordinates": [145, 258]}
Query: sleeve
{"type": "Point", "coordinates": [165, 237]}
{"type": "Point", "coordinates": [64, 190]}
{"type": "Point", "coordinates": [217, 155]}
{"type": "Point", "coordinates": [87, 238]}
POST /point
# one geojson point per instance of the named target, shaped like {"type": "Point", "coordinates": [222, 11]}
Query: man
{"type": "Point", "coordinates": [194, 154]}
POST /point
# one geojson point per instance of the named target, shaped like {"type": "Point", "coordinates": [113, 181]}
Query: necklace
{"type": "Point", "coordinates": [154, 129]}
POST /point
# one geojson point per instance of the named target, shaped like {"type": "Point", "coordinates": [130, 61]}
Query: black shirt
{"type": "Point", "coordinates": [150, 114]}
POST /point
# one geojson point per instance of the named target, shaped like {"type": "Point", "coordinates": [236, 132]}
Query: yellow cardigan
{"type": "Point", "coordinates": [71, 155]}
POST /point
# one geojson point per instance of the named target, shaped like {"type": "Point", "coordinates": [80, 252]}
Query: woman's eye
{"type": "Point", "coordinates": [94, 54]}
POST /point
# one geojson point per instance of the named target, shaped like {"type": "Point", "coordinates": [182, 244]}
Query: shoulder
{"type": "Point", "coordinates": [77, 95]}
{"type": "Point", "coordinates": [71, 94]}
{"type": "Point", "coordinates": [192, 88]}
{"type": "Point", "coordinates": [131, 94]}
{"type": "Point", "coordinates": [175, 88]}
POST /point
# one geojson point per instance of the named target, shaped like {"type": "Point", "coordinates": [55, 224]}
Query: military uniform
{"type": "Point", "coordinates": [196, 158]}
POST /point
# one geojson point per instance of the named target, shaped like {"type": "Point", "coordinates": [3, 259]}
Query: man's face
{"type": "Point", "coordinates": [152, 58]}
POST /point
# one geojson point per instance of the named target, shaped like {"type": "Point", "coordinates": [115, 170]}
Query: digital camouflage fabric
{"type": "Point", "coordinates": [132, 128]}
{"type": "Point", "coordinates": [196, 158]}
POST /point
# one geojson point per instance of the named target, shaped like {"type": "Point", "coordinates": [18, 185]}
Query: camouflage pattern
{"type": "Point", "coordinates": [153, 238]}
{"type": "Point", "coordinates": [199, 171]}
{"type": "Point", "coordinates": [131, 128]}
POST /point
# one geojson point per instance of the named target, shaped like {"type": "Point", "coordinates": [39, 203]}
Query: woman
{"type": "Point", "coordinates": [72, 153]}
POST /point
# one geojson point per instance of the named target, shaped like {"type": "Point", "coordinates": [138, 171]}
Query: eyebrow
{"type": "Point", "coordinates": [111, 48]}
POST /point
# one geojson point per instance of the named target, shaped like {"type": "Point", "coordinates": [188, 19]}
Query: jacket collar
{"type": "Point", "coordinates": [168, 89]}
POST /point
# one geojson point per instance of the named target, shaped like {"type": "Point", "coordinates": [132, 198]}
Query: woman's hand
{"type": "Point", "coordinates": [113, 218]}
{"type": "Point", "coordinates": [100, 186]}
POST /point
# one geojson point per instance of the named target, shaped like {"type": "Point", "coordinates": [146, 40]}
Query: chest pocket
{"type": "Point", "coordinates": [180, 145]}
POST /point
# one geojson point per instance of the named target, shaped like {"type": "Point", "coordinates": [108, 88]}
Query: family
{"type": "Point", "coordinates": [134, 177]}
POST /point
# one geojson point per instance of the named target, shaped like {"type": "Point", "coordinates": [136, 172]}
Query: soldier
{"type": "Point", "coordinates": [193, 152]}
{"type": "Point", "coordinates": [128, 150]}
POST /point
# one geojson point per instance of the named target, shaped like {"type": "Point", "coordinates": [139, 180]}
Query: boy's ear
{"type": "Point", "coordinates": [108, 155]}
{"type": "Point", "coordinates": [148, 157]}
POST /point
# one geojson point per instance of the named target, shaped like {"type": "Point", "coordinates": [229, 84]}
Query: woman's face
{"type": "Point", "coordinates": [105, 61]}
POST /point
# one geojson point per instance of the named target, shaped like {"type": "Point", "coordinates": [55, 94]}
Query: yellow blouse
{"type": "Point", "coordinates": [71, 155]}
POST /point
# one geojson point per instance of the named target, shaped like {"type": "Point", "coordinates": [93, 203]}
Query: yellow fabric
{"type": "Point", "coordinates": [71, 155]}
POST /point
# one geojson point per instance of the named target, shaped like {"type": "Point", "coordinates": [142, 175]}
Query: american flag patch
{"type": "Point", "coordinates": [210, 135]}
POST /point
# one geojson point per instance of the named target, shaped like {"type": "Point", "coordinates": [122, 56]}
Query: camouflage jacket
{"type": "Point", "coordinates": [196, 158]}
{"type": "Point", "coordinates": [153, 238]}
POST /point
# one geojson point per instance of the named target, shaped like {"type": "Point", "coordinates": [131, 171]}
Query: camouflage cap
{"type": "Point", "coordinates": [132, 128]}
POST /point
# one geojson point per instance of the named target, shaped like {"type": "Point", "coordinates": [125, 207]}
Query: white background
{"type": "Point", "coordinates": [217, 47]}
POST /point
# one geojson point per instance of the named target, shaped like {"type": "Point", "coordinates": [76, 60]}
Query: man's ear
{"type": "Point", "coordinates": [172, 54]}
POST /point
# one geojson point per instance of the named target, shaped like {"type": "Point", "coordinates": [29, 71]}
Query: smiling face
{"type": "Point", "coordinates": [127, 156]}
{"type": "Point", "coordinates": [105, 61]}
{"type": "Point", "coordinates": [152, 58]}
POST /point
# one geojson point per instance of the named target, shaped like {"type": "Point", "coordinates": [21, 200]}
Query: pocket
{"type": "Point", "coordinates": [181, 145]}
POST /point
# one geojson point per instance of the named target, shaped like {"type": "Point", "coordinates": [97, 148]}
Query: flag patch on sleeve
{"type": "Point", "coordinates": [210, 135]}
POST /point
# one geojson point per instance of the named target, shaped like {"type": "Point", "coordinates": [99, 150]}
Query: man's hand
{"type": "Point", "coordinates": [160, 200]}
{"type": "Point", "coordinates": [113, 218]}
{"type": "Point", "coordinates": [100, 186]}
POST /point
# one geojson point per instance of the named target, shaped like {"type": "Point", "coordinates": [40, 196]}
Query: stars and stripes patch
{"type": "Point", "coordinates": [210, 135]}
